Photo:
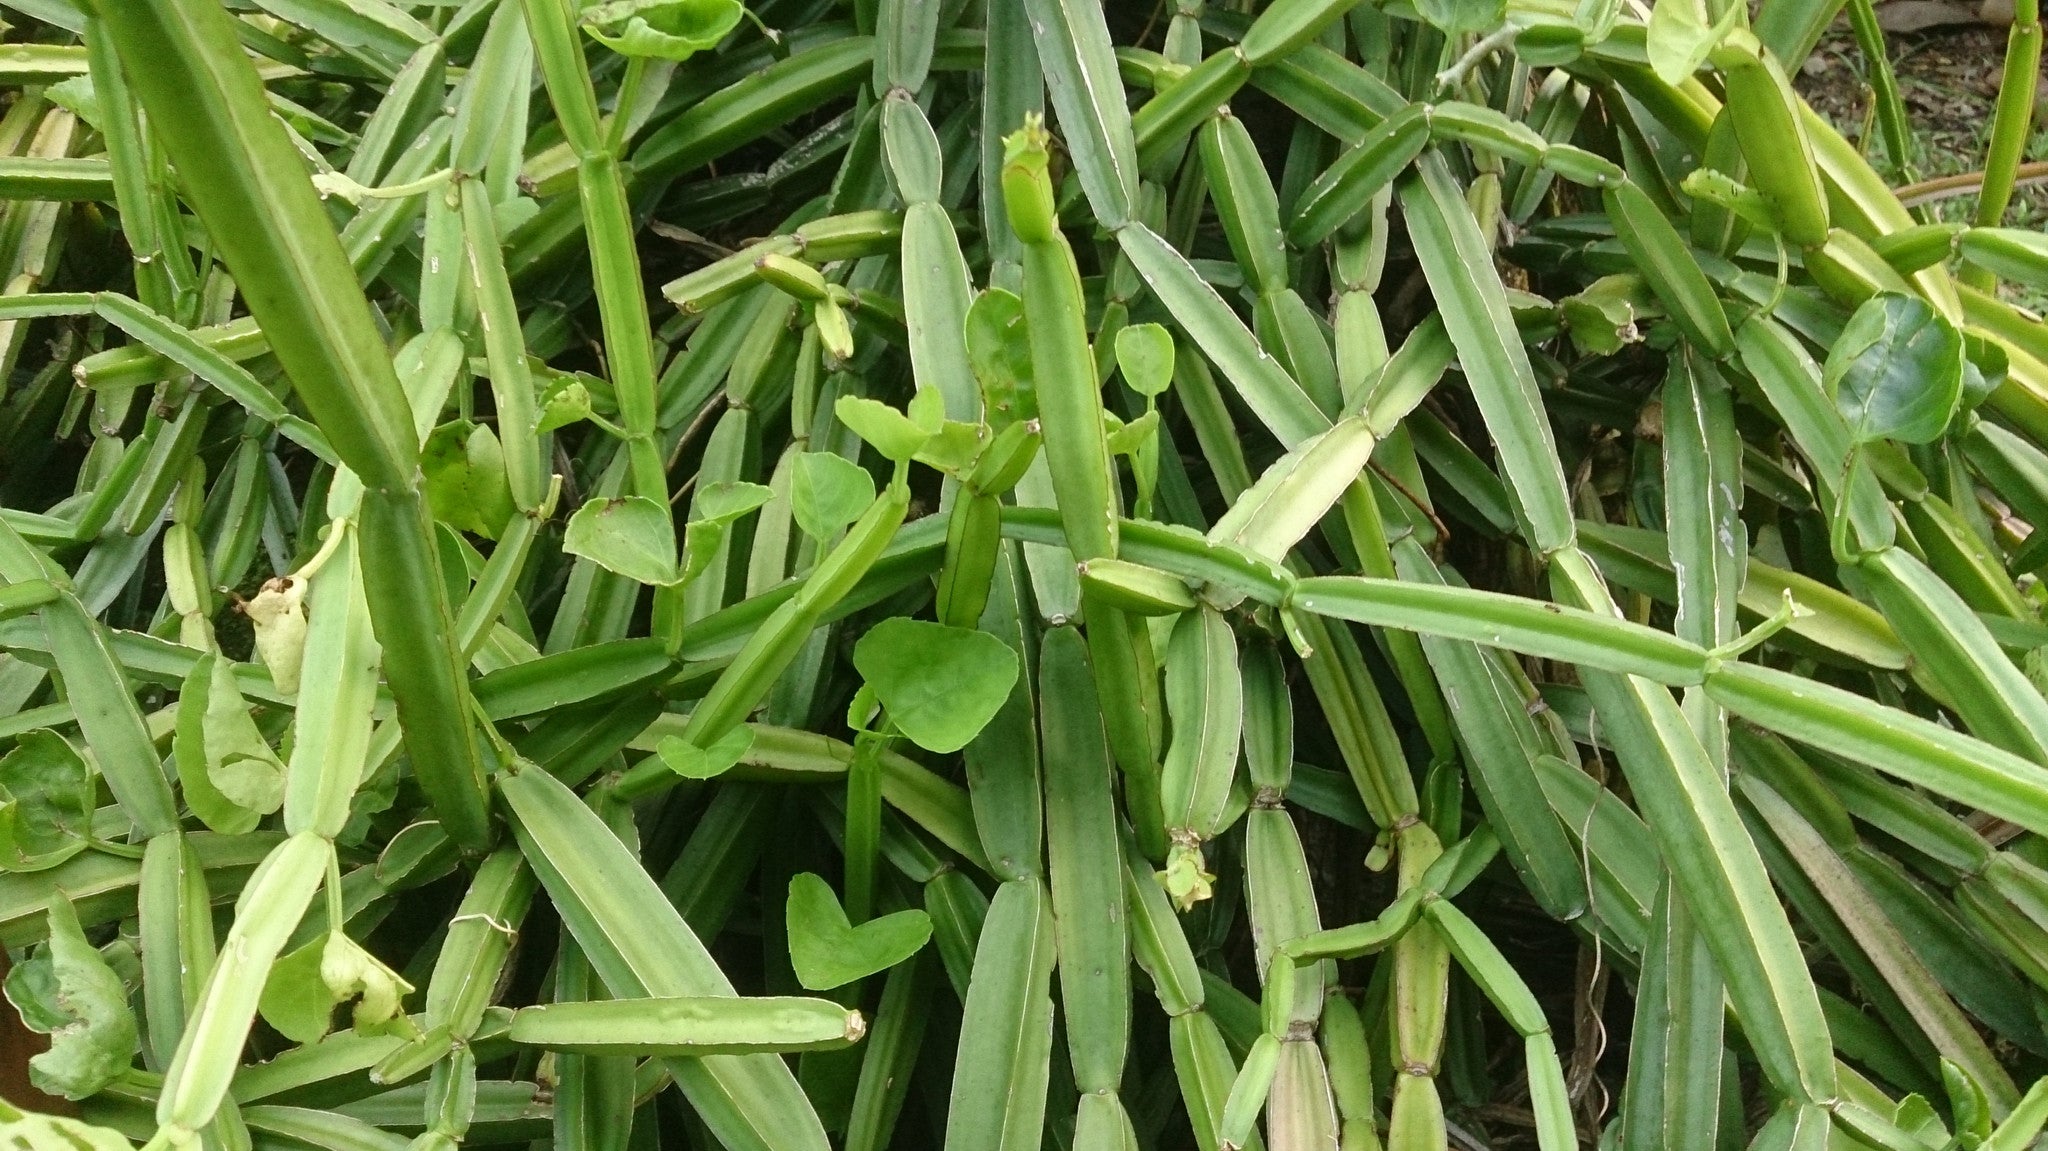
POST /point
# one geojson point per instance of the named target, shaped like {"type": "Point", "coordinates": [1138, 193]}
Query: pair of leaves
{"type": "Point", "coordinates": [635, 536]}
{"type": "Point", "coordinates": [464, 467]}
{"type": "Point", "coordinates": [898, 436]}
{"type": "Point", "coordinates": [663, 29]}
{"type": "Point", "coordinates": [46, 802]}
{"type": "Point", "coordinates": [230, 776]}
{"type": "Point", "coordinates": [68, 992]}
{"type": "Point", "coordinates": [941, 685]}
{"type": "Point", "coordinates": [826, 951]}
{"type": "Point", "coordinates": [1897, 371]}
{"type": "Point", "coordinates": [306, 985]}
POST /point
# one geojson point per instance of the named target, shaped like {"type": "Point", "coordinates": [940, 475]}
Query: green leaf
{"type": "Point", "coordinates": [68, 992]}
{"type": "Point", "coordinates": [927, 410]}
{"type": "Point", "coordinates": [727, 500]}
{"type": "Point", "coordinates": [632, 536]}
{"type": "Point", "coordinates": [295, 999]}
{"type": "Point", "coordinates": [305, 986]}
{"type": "Point", "coordinates": [30, 1129]}
{"type": "Point", "coordinates": [189, 750]}
{"type": "Point", "coordinates": [663, 29]}
{"type": "Point", "coordinates": [715, 506]}
{"type": "Point", "coordinates": [48, 799]}
{"type": "Point", "coordinates": [1124, 439]}
{"type": "Point", "coordinates": [1985, 366]}
{"type": "Point", "coordinates": [999, 351]}
{"type": "Point", "coordinates": [567, 401]}
{"type": "Point", "coordinates": [464, 467]}
{"type": "Point", "coordinates": [239, 761]}
{"type": "Point", "coordinates": [897, 436]}
{"type": "Point", "coordinates": [701, 539]}
{"type": "Point", "coordinates": [829, 952]}
{"type": "Point", "coordinates": [1457, 16]}
{"type": "Point", "coordinates": [827, 491]}
{"type": "Point", "coordinates": [1896, 372]}
{"type": "Point", "coordinates": [941, 685]}
{"type": "Point", "coordinates": [1144, 353]}
{"type": "Point", "coordinates": [955, 449]}
{"type": "Point", "coordinates": [692, 762]}
{"type": "Point", "coordinates": [1680, 36]}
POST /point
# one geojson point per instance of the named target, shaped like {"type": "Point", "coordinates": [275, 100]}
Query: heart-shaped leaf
{"type": "Point", "coordinates": [941, 685]}
{"type": "Point", "coordinates": [46, 796]}
{"type": "Point", "coordinates": [692, 762]}
{"type": "Point", "coordinates": [1896, 371]}
{"type": "Point", "coordinates": [1144, 353]}
{"type": "Point", "coordinates": [829, 952]}
{"type": "Point", "coordinates": [827, 491]}
{"type": "Point", "coordinates": [632, 536]}
{"type": "Point", "coordinates": [68, 992]}
{"type": "Point", "coordinates": [464, 468]}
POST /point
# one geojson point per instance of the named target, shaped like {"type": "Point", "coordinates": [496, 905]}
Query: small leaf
{"type": "Point", "coordinates": [239, 761]}
{"type": "Point", "coordinates": [955, 449]}
{"type": "Point", "coordinates": [663, 29]}
{"type": "Point", "coordinates": [305, 986]}
{"type": "Point", "coordinates": [188, 750]}
{"type": "Point", "coordinates": [927, 410]}
{"type": "Point", "coordinates": [941, 685]}
{"type": "Point", "coordinates": [700, 547]}
{"type": "Point", "coordinates": [68, 992]}
{"type": "Point", "coordinates": [1680, 36]}
{"type": "Point", "coordinates": [632, 536]}
{"type": "Point", "coordinates": [999, 351]}
{"type": "Point", "coordinates": [295, 1000]}
{"type": "Point", "coordinates": [827, 491]}
{"type": "Point", "coordinates": [727, 500]}
{"type": "Point", "coordinates": [1126, 439]}
{"type": "Point", "coordinates": [464, 468]}
{"type": "Point", "coordinates": [1896, 372]}
{"type": "Point", "coordinates": [826, 951]}
{"type": "Point", "coordinates": [1985, 366]}
{"type": "Point", "coordinates": [692, 762]}
{"type": "Point", "coordinates": [889, 431]}
{"type": "Point", "coordinates": [1144, 353]}
{"type": "Point", "coordinates": [567, 401]}
{"type": "Point", "coordinates": [48, 793]}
